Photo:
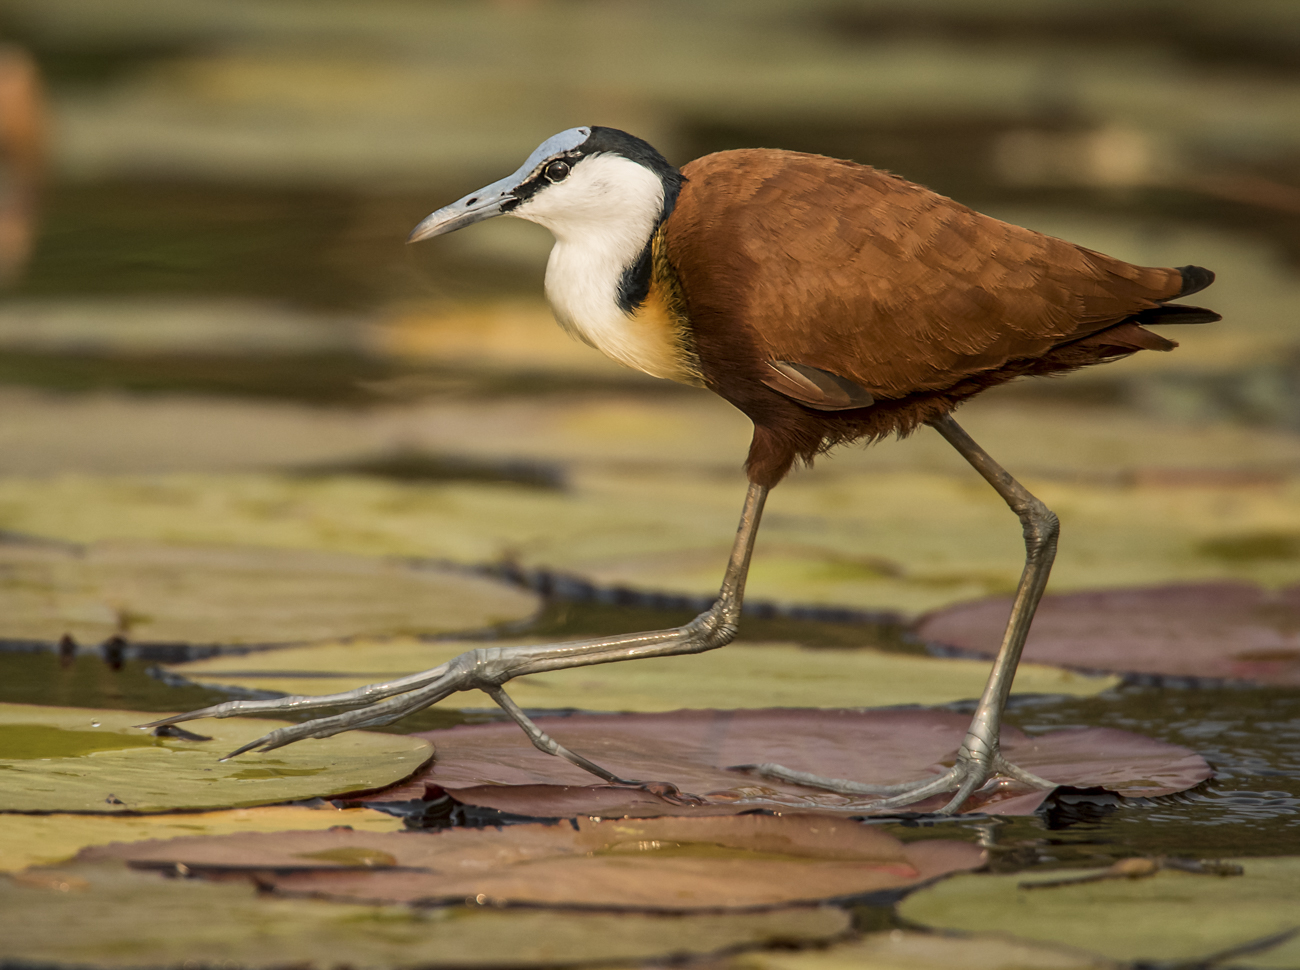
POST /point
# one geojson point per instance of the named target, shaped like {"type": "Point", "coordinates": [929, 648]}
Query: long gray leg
{"type": "Point", "coordinates": [487, 668]}
{"type": "Point", "coordinates": [979, 756]}
{"type": "Point", "coordinates": [1041, 530]}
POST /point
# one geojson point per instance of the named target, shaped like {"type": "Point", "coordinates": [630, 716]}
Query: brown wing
{"type": "Point", "coordinates": [814, 387]}
{"type": "Point", "coordinates": [843, 268]}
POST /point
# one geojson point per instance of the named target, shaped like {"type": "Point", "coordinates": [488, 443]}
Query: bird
{"type": "Point", "coordinates": [830, 302]}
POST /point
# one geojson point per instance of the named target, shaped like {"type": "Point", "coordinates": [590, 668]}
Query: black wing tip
{"type": "Point", "coordinates": [1168, 313]}
{"type": "Point", "coordinates": [1195, 279]}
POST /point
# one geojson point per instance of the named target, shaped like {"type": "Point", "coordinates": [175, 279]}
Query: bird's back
{"type": "Point", "coordinates": [783, 256]}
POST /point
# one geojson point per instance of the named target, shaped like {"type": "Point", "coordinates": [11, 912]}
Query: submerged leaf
{"type": "Point", "coordinates": [33, 840]}
{"type": "Point", "coordinates": [65, 759]}
{"type": "Point", "coordinates": [1173, 915]}
{"type": "Point", "coordinates": [1234, 631]}
{"type": "Point", "coordinates": [494, 765]}
{"type": "Point", "coordinates": [230, 595]}
{"type": "Point", "coordinates": [741, 675]}
{"type": "Point", "coordinates": [121, 918]}
{"type": "Point", "coordinates": [733, 862]}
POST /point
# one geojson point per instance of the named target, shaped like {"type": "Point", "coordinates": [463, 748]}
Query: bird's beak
{"type": "Point", "coordinates": [484, 204]}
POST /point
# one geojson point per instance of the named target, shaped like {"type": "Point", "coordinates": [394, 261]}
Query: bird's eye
{"type": "Point", "coordinates": [556, 171]}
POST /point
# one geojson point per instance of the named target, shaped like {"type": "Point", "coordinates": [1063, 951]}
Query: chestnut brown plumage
{"type": "Point", "coordinates": [829, 302]}
{"type": "Point", "coordinates": [918, 300]}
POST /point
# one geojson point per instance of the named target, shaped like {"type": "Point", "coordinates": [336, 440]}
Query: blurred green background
{"type": "Point", "coordinates": [217, 296]}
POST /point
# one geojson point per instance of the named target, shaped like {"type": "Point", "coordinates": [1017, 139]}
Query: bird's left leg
{"type": "Point", "coordinates": [488, 668]}
{"type": "Point", "coordinates": [979, 758]}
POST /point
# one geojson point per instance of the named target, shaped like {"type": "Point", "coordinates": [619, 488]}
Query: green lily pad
{"type": "Point", "coordinates": [910, 950]}
{"type": "Point", "coordinates": [106, 915]}
{"type": "Point", "coordinates": [1172, 915]}
{"type": "Point", "coordinates": [65, 759]}
{"type": "Point", "coordinates": [679, 864]}
{"type": "Point", "coordinates": [737, 676]}
{"type": "Point", "coordinates": [905, 537]}
{"type": "Point", "coordinates": [36, 840]}
{"type": "Point", "coordinates": [231, 595]}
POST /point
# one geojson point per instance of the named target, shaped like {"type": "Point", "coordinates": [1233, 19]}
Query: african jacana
{"type": "Point", "coordinates": [829, 302]}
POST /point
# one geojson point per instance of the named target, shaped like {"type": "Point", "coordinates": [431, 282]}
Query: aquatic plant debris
{"type": "Point", "coordinates": [912, 950]}
{"type": "Point", "coordinates": [109, 915]}
{"type": "Point", "coordinates": [679, 864]}
{"type": "Point", "coordinates": [495, 766]}
{"type": "Point", "coordinates": [68, 759]}
{"type": "Point", "coordinates": [1225, 630]}
{"type": "Point", "coordinates": [231, 595]}
{"type": "Point", "coordinates": [1174, 915]}
{"type": "Point", "coordinates": [742, 675]}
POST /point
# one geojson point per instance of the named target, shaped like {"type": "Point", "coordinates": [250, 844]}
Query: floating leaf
{"type": "Point", "coordinates": [909, 950]}
{"type": "Point", "coordinates": [1235, 631]}
{"type": "Point", "coordinates": [106, 915]}
{"type": "Point", "coordinates": [230, 595]}
{"type": "Point", "coordinates": [919, 532]}
{"type": "Point", "coordinates": [494, 765]}
{"type": "Point", "coordinates": [733, 862]}
{"type": "Point", "coordinates": [1171, 916]}
{"type": "Point", "coordinates": [33, 840]}
{"type": "Point", "coordinates": [740, 675]}
{"type": "Point", "coordinates": [66, 759]}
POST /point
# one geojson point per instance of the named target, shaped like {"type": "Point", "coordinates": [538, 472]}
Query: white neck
{"type": "Point", "coordinates": [602, 217]}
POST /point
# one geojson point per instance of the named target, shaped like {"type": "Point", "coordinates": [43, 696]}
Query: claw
{"type": "Point", "coordinates": [965, 778]}
{"type": "Point", "coordinates": [668, 792]}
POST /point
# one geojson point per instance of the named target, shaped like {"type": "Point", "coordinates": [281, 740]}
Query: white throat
{"type": "Point", "coordinates": [602, 217]}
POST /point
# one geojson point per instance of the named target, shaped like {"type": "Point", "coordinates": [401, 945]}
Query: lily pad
{"type": "Point", "coordinates": [1233, 631]}
{"type": "Point", "coordinates": [1170, 916]}
{"type": "Point", "coordinates": [494, 765]}
{"type": "Point", "coordinates": [106, 915]}
{"type": "Point", "coordinates": [919, 532]}
{"type": "Point", "coordinates": [740, 675]}
{"type": "Point", "coordinates": [680, 864]}
{"type": "Point", "coordinates": [66, 759]}
{"type": "Point", "coordinates": [910, 950]}
{"type": "Point", "coordinates": [34, 840]}
{"type": "Point", "coordinates": [232, 595]}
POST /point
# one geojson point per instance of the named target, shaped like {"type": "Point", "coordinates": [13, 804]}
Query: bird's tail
{"type": "Point", "coordinates": [1195, 279]}
{"type": "Point", "coordinates": [1130, 335]}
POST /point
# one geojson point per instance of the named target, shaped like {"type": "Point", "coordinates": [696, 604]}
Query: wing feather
{"type": "Point", "coordinates": [858, 273]}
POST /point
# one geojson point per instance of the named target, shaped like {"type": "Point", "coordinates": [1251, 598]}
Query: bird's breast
{"type": "Point", "coordinates": [653, 337]}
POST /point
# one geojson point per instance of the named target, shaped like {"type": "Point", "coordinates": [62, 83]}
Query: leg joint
{"type": "Point", "coordinates": [477, 670]}
{"type": "Point", "coordinates": [1041, 526]}
{"type": "Point", "coordinates": [713, 628]}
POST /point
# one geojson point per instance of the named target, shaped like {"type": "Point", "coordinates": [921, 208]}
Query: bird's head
{"type": "Point", "coordinates": [583, 180]}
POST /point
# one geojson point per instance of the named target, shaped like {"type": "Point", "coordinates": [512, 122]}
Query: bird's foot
{"type": "Point", "coordinates": [966, 777]}
{"type": "Point", "coordinates": [485, 669]}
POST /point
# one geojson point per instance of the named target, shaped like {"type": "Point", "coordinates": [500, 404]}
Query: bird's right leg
{"type": "Point", "coordinates": [979, 758]}
{"type": "Point", "coordinates": [488, 668]}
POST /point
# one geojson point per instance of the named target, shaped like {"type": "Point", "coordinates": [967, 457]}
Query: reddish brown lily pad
{"type": "Point", "coordinates": [494, 765]}
{"type": "Point", "coordinates": [1231, 631]}
{"type": "Point", "coordinates": [109, 916]}
{"type": "Point", "coordinates": [736, 862]}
